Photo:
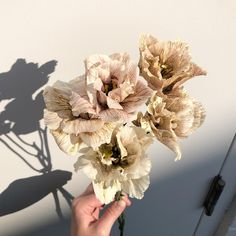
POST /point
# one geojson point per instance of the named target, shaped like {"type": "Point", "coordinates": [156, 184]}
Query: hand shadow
{"type": "Point", "coordinates": [21, 116]}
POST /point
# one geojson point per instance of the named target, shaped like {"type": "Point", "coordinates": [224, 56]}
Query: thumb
{"type": "Point", "coordinates": [111, 214]}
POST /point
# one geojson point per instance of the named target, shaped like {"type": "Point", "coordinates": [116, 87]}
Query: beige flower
{"type": "Point", "coordinates": [120, 165]}
{"type": "Point", "coordinates": [113, 85]}
{"type": "Point", "coordinates": [171, 118]}
{"type": "Point", "coordinates": [71, 117]}
{"type": "Point", "coordinates": [166, 65]}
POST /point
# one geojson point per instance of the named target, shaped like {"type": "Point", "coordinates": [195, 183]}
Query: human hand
{"type": "Point", "coordinates": [85, 214]}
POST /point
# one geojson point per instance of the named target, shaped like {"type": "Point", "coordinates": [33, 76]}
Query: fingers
{"type": "Point", "coordinates": [87, 201]}
{"type": "Point", "coordinates": [126, 199]}
{"type": "Point", "coordinates": [113, 212]}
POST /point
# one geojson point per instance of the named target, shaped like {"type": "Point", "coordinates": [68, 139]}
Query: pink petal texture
{"type": "Point", "coordinates": [78, 126]}
{"type": "Point", "coordinates": [70, 115]}
{"type": "Point", "coordinates": [115, 115]}
{"type": "Point", "coordinates": [68, 143]}
{"type": "Point", "coordinates": [113, 86]}
{"type": "Point", "coordinates": [80, 105]}
{"type": "Point", "coordinates": [138, 98]}
{"type": "Point", "coordinates": [96, 138]}
{"type": "Point", "coordinates": [166, 65]}
{"type": "Point", "coordinates": [172, 117]}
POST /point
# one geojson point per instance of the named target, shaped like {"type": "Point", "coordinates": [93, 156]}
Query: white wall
{"type": "Point", "coordinates": [68, 31]}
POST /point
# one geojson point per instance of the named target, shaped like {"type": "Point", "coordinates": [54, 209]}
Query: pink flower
{"type": "Point", "coordinates": [113, 86]}
{"type": "Point", "coordinates": [172, 117]}
{"type": "Point", "coordinates": [166, 65]}
{"type": "Point", "coordinates": [71, 117]}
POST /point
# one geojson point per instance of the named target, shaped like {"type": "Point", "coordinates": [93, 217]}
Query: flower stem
{"type": "Point", "coordinates": [121, 219]}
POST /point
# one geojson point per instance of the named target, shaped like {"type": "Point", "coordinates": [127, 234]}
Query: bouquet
{"type": "Point", "coordinates": [97, 114]}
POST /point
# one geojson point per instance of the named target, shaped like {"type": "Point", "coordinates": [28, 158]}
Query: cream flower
{"type": "Point", "coordinates": [120, 165]}
{"type": "Point", "coordinates": [166, 65]}
{"type": "Point", "coordinates": [170, 118]}
{"type": "Point", "coordinates": [71, 117]}
{"type": "Point", "coordinates": [113, 85]}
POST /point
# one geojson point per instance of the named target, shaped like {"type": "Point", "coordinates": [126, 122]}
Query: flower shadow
{"type": "Point", "coordinates": [22, 84]}
{"type": "Point", "coordinates": [31, 190]}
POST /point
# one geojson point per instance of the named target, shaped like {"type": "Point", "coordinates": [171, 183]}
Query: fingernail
{"type": "Point", "coordinates": [122, 203]}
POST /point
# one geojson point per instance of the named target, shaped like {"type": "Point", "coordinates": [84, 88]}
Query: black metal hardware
{"type": "Point", "coordinates": [213, 195]}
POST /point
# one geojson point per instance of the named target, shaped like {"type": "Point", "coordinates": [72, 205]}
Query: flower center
{"type": "Point", "coordinates": [111, 85]}
{"type": "Point", "coordinates": [165, 71]}
{"type": "Point", "coordinates": [168, 89]}
{"type": "Point", "coordinates": [85, 116]}
{"type": "Point", "coordinates": [111, 154]}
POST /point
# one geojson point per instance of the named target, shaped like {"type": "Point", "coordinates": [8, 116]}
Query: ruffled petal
{"type": "Point", "coordinates": [140, 96]}
{"type": "Point", "coordinates": [80, 105]}
{"type": "Point", "coordinates": [57, 98]}
{"type": "Point", "coordinates": [114, 115]}
{"type": "Point", "coordinates": [106, 193]}
{"type": "Point", "coordinates": [166, 65]}
{"type": "Point", "coordinates": [136, 187]}
{"type": "Point", "coordinates": [96, 138]}
{"type": "Point", "coordinates": [113, 104]}
{"type": "Point", "coordinates": [169, 139]}
{"type": "Point", "coordinates": [79, 125]}
{"type": "Point", "coordinates": [69, 144]}
{"type": "Point", "coordinates": [78, 85]}
{"type": "Point", "coordinates": [51, 119]}
{"type": "Point", "coordinates": [84, 162]}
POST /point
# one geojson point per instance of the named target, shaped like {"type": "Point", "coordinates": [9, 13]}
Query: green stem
{"type": "Point", "coordinates": [121, 219]}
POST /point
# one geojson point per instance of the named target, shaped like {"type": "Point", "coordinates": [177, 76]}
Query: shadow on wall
{"type": "Point", "coordinates": [22, 116]}
{"type": "Point", "coordinates": [164, 210]}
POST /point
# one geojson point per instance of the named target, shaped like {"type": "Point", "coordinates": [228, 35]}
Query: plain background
{"type": "Point", "coordinates": [67, 32]}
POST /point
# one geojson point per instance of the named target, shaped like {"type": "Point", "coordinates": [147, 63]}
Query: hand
{"type": "Point", "coordinates": [85, 214]}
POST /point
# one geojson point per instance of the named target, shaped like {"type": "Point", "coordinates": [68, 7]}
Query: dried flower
{"type": "Point", "coordinates": [121, 164]}
{"type": "Point", "coordinates": [166, 65]}
{"type": "Point", "coordinates": [113, 86]}
{"type": "Point", "coordinates": [170, 118]}
{"type": "Point", "coordinates": [71, 117]}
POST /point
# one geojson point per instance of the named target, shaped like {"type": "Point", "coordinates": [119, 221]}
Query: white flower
{"type": "Point", "coordinates": [113, 86]}
{"type": "Point", "coordinates": [120, 165]}
{"type": "Point", "coordinates": [170, 118]}
{"type": "Point", "coordinates": [71, 117]}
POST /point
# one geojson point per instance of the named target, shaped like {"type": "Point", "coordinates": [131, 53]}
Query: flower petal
{"type": "Point", "coordinates": [124, 90]}
{"type": "Point", "coordinates": [114, 115]}
{"type": "Point", "coordinates": [69, 144]}
{"type": "Point", "coordinates": [123, 151]}
{"type": "Point", "coordinates": [84, 162]}
{"type": "Point", "coordinates": [79, 125]}
{"type": "Point", "coordinates": [78, 85]}
{"type": "Point", "coordinates": [140, 96]}
{"type": "Point", "coordinates": [80, 105]}
{"type": "Point", "coordinates": [106, 193]}
{"type": "Point", "coordinates": [113, 104]}
{"type": "Point", "coordinates": [51, 119]}
{"type": "Point", "coordinates": [136, 187]}
{"type": "Point", "coordinates": [57, 98]}
{"type": "Point", "coordinates": [96, 138]}
{"type": "Point", "coordinates": [169, 139]}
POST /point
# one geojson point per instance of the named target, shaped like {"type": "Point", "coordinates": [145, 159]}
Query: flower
{"type": "Point", "coordinates": [170, 118]}
{"type": "Point", "coordinates": [71, 117]}
{"type": "Point", "coordinates": [113, 86]}
{"type": "Point", "coordinates": [119, 165]}
{"type": "Point", "coordinates": [166, 65]}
